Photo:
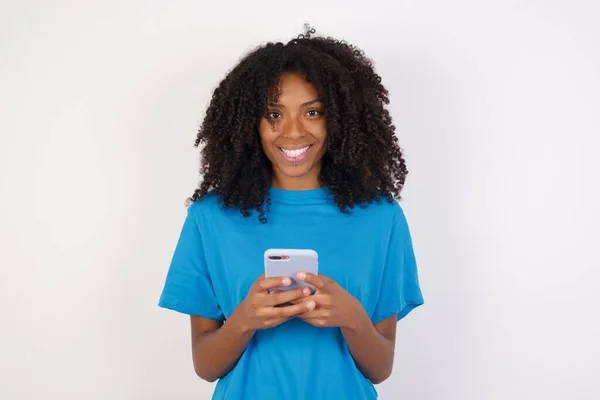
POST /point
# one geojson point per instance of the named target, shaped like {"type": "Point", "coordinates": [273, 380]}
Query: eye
{"type": "Point", "coordinates": [272, 115]}
{"type": "Point", "coordinates": [314, 113]}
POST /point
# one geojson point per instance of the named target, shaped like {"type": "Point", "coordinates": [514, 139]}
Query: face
{"type": "Point", "coordinates": [293, 134]}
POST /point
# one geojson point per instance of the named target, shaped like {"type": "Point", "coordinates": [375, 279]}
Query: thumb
{"type": "Point", "coordinates": [315, 280]}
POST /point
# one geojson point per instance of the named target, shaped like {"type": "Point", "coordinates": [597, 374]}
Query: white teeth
{"type": "Point", "coordinates": [295, 153]}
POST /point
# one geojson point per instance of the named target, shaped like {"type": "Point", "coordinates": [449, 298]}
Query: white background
{"type": "Point", "coordinates": [496, 105]}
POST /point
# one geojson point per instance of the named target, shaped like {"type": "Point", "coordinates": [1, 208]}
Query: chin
{"type": "Point", "coordinates": [294, 172]}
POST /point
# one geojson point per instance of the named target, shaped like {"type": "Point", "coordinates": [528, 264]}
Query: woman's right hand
{"type": "Point", "coordinates": [263, 310]}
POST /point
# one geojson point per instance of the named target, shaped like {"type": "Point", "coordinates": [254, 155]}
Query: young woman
{"type": "Point", "coordinates": [298, 152]}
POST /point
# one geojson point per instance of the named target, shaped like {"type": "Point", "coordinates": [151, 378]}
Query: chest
{"type": "Point", "coordinates": [351, 254]}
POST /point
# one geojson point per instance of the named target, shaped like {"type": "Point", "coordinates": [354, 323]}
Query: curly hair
{"type": "Point", "coordinates": [363, 161]}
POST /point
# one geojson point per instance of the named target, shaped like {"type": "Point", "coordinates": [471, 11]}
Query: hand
{"type": "Point", "coordinates": [335, 307]}
{"type": "Point", "coordinates": [262, 310]}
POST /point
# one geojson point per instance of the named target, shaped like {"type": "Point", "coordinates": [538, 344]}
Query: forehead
{"type": "Point", "coordinates": [293, 88]}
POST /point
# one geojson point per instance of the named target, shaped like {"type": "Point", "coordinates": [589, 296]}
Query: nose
{"type": "Point", "coordinates": [294, 128]}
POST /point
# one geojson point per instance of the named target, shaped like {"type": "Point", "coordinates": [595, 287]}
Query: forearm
{"type": "Point", "coordinates": [216, 352]}
{"type": "Point", "coordinates": [373, 352]}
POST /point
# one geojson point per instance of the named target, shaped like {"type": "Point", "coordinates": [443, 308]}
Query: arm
{"type": "Point", "coordinates": [216, 346]}
{"type": "Point", "coordinates": [372, 346]}
{"type": "Point", "coordinates": [188, 289]}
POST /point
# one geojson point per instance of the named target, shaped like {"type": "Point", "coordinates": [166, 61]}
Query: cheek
{"type": "Point", "coordinates": [267, 137]}
{"type": "Point", "coordinates": [321, 131]}
{"type": "Point", "coordinates": [322, 137]}
{"type": "Point", "coordinates": [322, 150]}
{"type": "Point", "coordinates": [266, 133]}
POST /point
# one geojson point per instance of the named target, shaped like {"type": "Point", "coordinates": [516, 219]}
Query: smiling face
{"type": "Point", "coordinates": [293, 133]}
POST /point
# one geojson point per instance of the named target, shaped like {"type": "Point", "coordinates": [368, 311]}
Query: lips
{"type": "Point", "coordinates": [295, 155]}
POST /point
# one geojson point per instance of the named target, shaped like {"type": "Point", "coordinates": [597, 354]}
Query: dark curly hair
{"type": "Point", "coordinates": [363, 161]}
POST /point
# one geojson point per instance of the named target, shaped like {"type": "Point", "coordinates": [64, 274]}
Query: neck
{"type": "Point", "coordinates": [306, 182]}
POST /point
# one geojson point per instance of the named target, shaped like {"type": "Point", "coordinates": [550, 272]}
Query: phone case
{"type": "Point", "coordinates": [292, 261]}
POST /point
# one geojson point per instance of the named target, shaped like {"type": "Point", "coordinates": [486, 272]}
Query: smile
{"type": "Point", "coordinates": [295, 155]}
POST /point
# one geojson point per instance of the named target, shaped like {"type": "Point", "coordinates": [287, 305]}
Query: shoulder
{"type": "Point", "coordinates": [386, 215]}
{"type": "Point", "coordinates": [207, 205]}
{"type": "Point", "coordinates": [385, 209]}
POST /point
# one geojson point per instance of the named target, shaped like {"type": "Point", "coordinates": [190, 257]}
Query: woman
{"type": "Point", "coordinates": [298, 151]}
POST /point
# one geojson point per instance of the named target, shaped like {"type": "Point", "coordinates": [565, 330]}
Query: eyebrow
{"type": "Point", "coordinates": [306, 103]}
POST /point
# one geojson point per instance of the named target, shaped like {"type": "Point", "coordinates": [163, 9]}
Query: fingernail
{"type": "Point", "coordinates": [306, 291]}
{"type": "Point", "coordinates": [302, 275]}
{"type": "Point", "coordinates": [286, 281]}
{"type": "Point", "coordinates": [310, 305]}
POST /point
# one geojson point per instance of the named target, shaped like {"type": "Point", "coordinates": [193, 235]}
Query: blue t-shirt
{"type": "Point", "coordinates": [219, 255]}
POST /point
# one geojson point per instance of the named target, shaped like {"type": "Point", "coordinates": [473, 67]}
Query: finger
{"type": "Point", "coordinates": [271, 283]}
{"type": "Point", "coordinates": [315, 280]}
{"type": "Point", "coordinates": [273, 322]}
{"type": "Point", "coordinates": [318, 322]}
{"type": "Point", "coordinates": [255, 287]}
{"type": "Point", "coordinates": [288, 311]}
{"type": "Point", "coordinates": [277, 298]}
{"type": "Point", "coordinates": [322, 300]}
{"type": "Point", "coordinates": [316, 313]}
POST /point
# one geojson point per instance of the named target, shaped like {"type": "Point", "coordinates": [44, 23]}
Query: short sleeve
{"type": "Point", "coordinates": [400, 291]}
{"type": "Point", "coordinates": [188, 288]}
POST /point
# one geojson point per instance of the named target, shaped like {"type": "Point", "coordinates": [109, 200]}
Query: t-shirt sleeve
{"type": "Point", "coordinates": [400, 291]}
{"type": "Point", "coordinates": [188, 288]}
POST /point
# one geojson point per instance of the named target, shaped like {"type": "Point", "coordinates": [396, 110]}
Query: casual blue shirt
{"type": "Point", "coordinates": [219, 255]}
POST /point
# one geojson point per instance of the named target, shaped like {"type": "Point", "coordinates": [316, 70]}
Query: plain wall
{"type": "Point", "coordinates": [496, 104]}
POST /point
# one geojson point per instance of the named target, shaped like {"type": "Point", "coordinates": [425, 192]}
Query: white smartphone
{"type": "Point", "coordinates": [288, 262]}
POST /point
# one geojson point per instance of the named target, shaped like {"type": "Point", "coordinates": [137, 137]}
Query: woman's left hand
{"type": "Point", "coordinates": [334, 306]}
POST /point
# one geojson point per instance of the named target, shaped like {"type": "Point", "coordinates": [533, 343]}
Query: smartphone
{"type": "Point", "coordinates": [288, 262]}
